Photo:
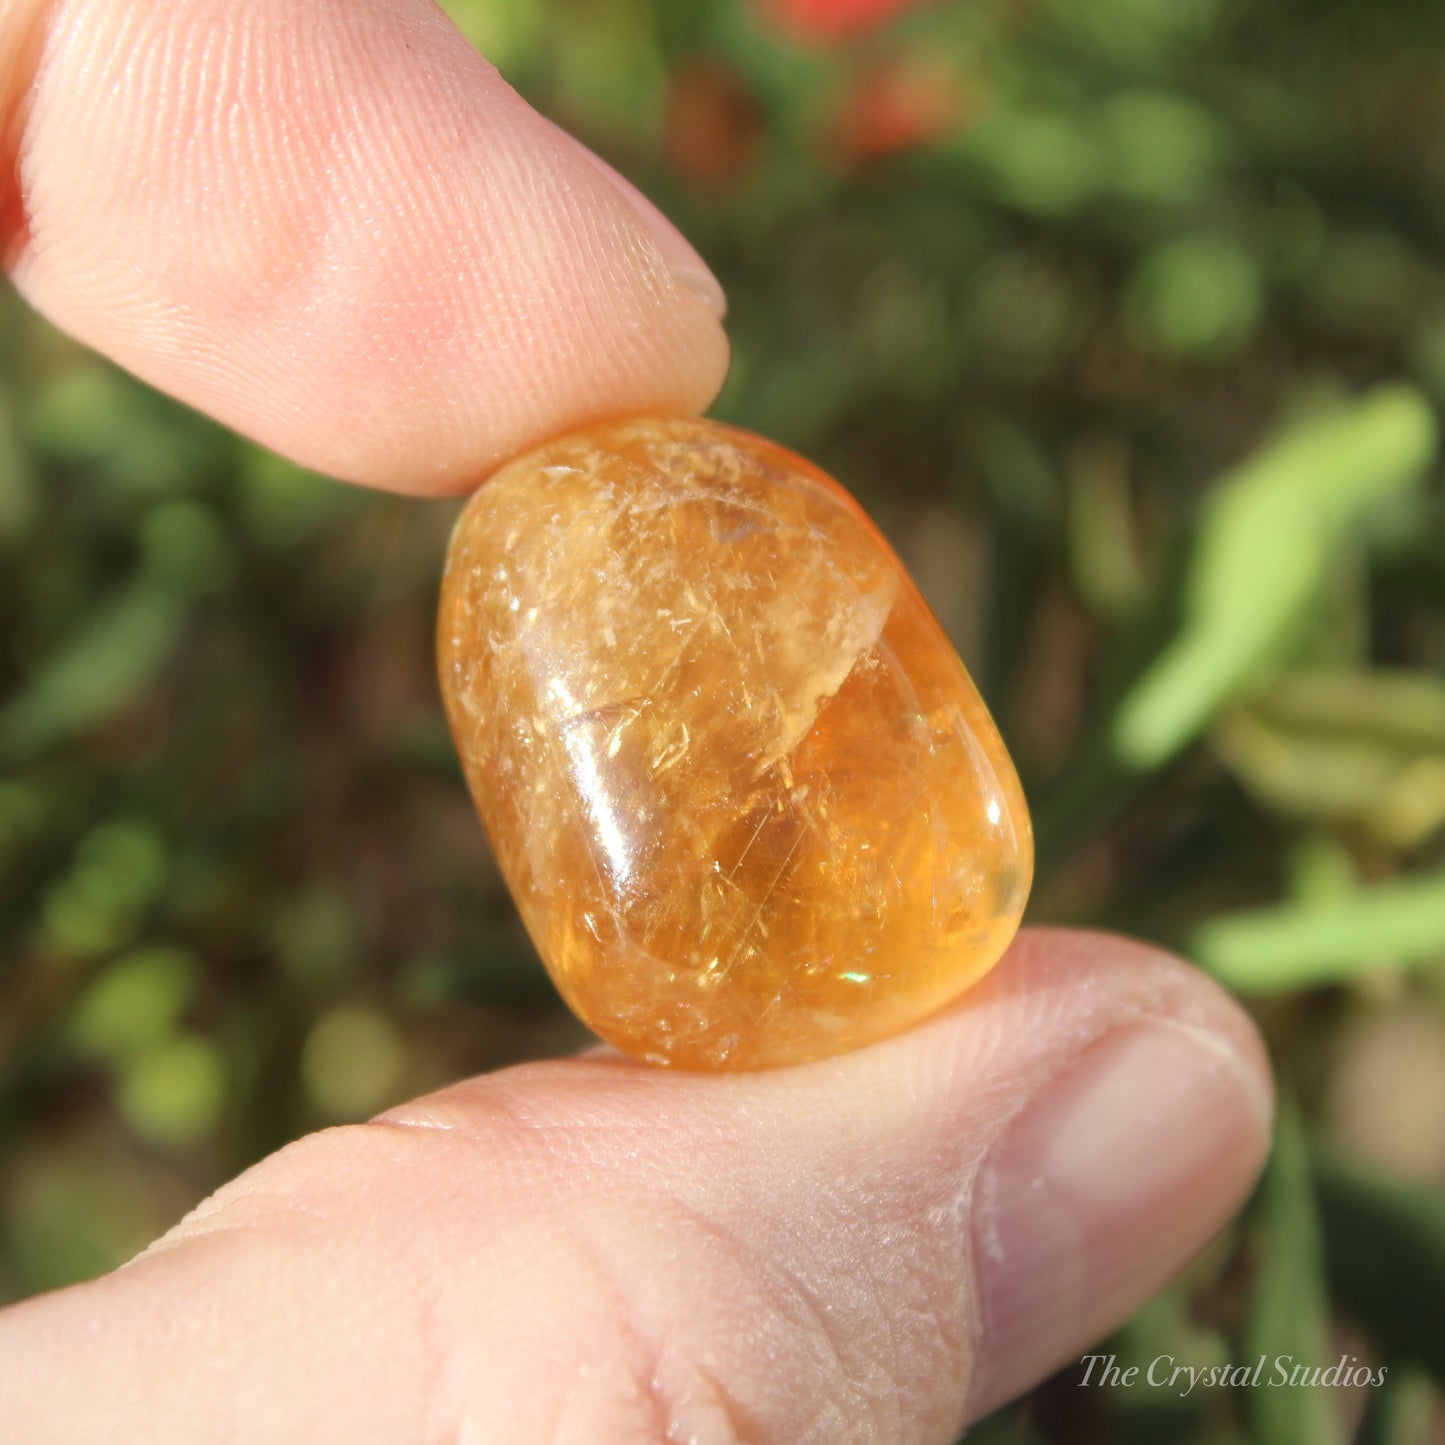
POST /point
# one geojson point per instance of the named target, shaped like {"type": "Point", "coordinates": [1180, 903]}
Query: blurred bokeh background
{"type": "Point", "coordinates": [1127, 320]}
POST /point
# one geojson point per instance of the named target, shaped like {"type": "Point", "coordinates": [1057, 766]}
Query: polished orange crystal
{"type": "Point", "coordinates": [749, 802]}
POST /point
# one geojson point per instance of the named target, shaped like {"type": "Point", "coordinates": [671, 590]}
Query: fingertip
{"type": "Point", "coordinates": [1103, 1190]}
{"type": "Point", "coordinates": [1136, 1125]}
{"type": "Point", "coordinates": [684, 264]}
{"type": "Point", "coordinates": [1082, 981]}
{"type": "Point", "coordinates": [336, 229]}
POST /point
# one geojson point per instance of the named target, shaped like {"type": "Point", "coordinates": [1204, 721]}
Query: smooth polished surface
{"type": "Point", "coordinates": [751, 807]}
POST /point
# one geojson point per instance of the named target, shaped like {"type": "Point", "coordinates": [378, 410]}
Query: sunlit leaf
{"type": "Point", "coordinates": [1351, 747]}
{"type": "Point", "coordinates": [1300, 945]}
{"type": "Point", "coordinates": [1266, 543]}
{"type": "Point", "coordinates": [505, 31]}
{"type": "Point", "coordinates": [351, 1062]}
{"type": "Point", "coordinates": [134, 1003]}
{"type": "Point", "coordinates": [172, 1094]}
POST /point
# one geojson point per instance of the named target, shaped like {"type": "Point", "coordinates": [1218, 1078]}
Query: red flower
{"type": "Point", "coordinates": [825, 20]}
{"type": "Point", "coordinates": [899, 105]}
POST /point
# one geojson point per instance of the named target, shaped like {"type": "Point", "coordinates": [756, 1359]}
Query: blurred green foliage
{"type": "Point", "coordinates": [1127, 320]}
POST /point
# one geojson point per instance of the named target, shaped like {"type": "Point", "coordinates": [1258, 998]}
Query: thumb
{"type": "Point", "coordinates": [875, 1247]}
{"type": "Point", "coordinates": [338, 230]}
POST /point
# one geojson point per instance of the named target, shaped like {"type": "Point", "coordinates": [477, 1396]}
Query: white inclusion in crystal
{"type": "Point", "coordinates": [584, 769]}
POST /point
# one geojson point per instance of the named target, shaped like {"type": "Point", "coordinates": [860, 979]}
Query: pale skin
{"type": "Point", "coordinates": [333, 227]}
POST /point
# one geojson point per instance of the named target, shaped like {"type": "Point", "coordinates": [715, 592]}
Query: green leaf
{"type": "Point", "coordinates": [1196, 296]}
{"type": "Point", "coordinates": [1264, 551]}
{"type": "Point", "coordinates": [1165, 1328]}
{"type": "Point", "coordinates": [505, 31]}
{"type": "Point", "coordinates": [352, 1061]}
{"type": "Point", "coordinates": [1400, 1412]}
{"type": "Point", "coordinates": [1102, 543]}
{"type": "Point", "coordinates": [19, 500]}
{"type": "Point", "coordinates": [1043, 162]}
{"type": "Point", "coordinates": [74, 1207]}
{"type": "Point", "coordinates": [138, 443]}
{"type": "Point", "coordinates": [1301, 945]}
{"type": "Point", "coordinates": [185, 549]}
{"type": "Point", "coordinates": [1004, 1427]}
{"type": "Point", "coordinates": [1290, 1319]}
{"type": "Point", "coordinates": [97, 673]}
{"type": "Point", "coordinates": [281, 504]}
{"type": "Point", "coordinates": [1163, 147]}
{"type": "Point", "coordinates": [1404, 708]}
{"type": "Point", "coordinates": [1362, 748]}
{"type": "Point", "coordinates": [120, 869]}
{"type": "Point", "coordinates": [1385, 1253]}
{"type": "Point", "coordinates": [134, 1004]}
{"type": "Point", "coordinates": [172, 1094]}
{"type": "Point", "coordinates": [605, 57]}
{"type": "Point", "coordinates": [1136, 31]}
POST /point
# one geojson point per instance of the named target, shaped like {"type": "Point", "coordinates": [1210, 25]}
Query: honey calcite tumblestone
{"type": "Point", "coordinates": [749, 802]}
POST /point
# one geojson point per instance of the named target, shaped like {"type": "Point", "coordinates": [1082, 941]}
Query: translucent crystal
{"type": "Point", "coordinates": [749, 803]}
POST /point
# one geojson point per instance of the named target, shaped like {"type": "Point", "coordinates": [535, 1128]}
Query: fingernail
{"type": "Point", "coordinates": [686, 267]}
{"type": "Point", "coordinates": [1103, 1189]}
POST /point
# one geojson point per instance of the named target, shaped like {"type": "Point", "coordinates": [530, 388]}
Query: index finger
{"type": "Point", "coordinates": [335, 228]}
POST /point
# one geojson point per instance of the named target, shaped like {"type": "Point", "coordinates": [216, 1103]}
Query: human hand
{"type": "Point", "coordinates": [332, 226]}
